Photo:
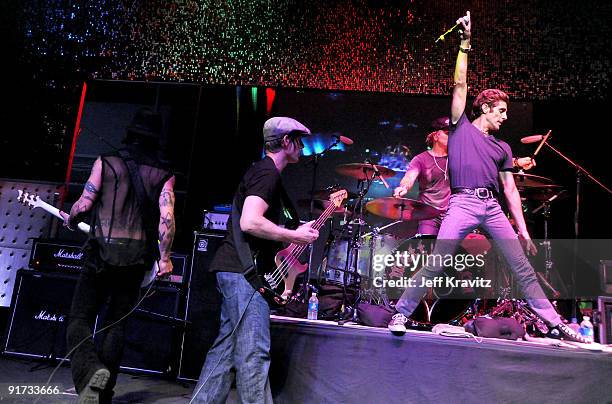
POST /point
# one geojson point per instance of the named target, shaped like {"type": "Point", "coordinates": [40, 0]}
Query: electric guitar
{"type": "Point", "coordinates": [278, 282]}
{"type": "Point", "coordinates": [34, 201]}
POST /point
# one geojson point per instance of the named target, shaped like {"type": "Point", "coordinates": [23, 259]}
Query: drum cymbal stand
{"type": "Point", "coordinates": [356, 223]}
{"type": "Point", "coordinates": [548, 263]}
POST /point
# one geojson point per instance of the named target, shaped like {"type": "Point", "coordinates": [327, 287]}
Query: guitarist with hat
{"type": "Point", "coordinates": [244, 337]}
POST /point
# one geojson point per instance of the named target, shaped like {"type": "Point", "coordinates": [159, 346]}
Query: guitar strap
{"type": "Point", "coordinates": [145, 204]}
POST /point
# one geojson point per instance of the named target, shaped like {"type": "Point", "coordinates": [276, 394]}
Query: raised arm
{"type": "Point", "coordinates": [167, 226]}
{"type": "Point", "coordinates": [460, 77]}
{"type": "Point", "coordinates": [88, 196]}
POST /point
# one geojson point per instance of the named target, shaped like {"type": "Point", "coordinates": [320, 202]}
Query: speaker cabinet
{"type": "Point", "coordinates": [40, 311]}
{"type": "Point", "coordinates": [39, 314]}
{"type": "Point", "coordinates": [152, 332]}
{"type": "Point", "coordinates": [202, 308]}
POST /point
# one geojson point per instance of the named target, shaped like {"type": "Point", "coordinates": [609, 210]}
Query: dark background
{"type": "Point", "coordinates": [199, 65]}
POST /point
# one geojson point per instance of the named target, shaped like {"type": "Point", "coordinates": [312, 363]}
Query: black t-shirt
{"type": "Point", "coordinates": [263, 180]}
{"type": "Point", "coordinates": [475, 160]}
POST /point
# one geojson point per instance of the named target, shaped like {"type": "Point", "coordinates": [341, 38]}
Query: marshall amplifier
{"type": "Point", "coordinates": [39, 314]}
{"type": "Point", "coordinates": [65, 256]}
{"type": "Point", "coordinates": [56, 255]}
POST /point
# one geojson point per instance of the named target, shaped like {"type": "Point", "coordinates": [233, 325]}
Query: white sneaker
{"type": "Point", "coordinates": [397, 325]}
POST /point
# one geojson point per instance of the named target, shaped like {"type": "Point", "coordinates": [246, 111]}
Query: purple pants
{"type": "Point", "coordinates": [466, 213]}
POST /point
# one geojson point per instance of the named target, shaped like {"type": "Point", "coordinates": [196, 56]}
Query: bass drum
{"type": "Point", "coordinates": [334, 268]}
{"type": "Point", "coordinates": [443, 304]}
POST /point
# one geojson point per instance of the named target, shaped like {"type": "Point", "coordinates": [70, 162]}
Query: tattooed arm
{"type": "Point", "coordinates": [167, 226]}
{"type": "Point", "coordinates": [88, 197]}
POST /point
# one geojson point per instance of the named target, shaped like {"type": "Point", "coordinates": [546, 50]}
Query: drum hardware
{"type": "Point", "coordinates": [315, 165]}
{"type": "Point", "coordinates": [580, 171]}
{"type": "Point", "coordinates": [401, 209]}
{"type": "Point", "coordinates": [365, 174]}
{"type": "Point", "coordinates": [520, 311]}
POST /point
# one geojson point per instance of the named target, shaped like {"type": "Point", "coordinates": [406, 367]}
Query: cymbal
{"type": "Point", "coordinates": [401, 209]}
{"type": "Point", "coordinates": [523, 180]}
{"type": "Point", "coordinates": [543, 193]}
{"type": "Point", "coordinates": [363, 171]}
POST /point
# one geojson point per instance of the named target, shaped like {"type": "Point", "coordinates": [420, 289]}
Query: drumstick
{"type": "Point", "coordinates": [541, 144]}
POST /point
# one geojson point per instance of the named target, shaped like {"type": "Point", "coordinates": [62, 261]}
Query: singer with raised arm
{"type": "Point", "coordinates": [477, 163]}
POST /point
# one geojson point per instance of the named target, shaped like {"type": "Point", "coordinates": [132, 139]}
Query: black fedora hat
{"type": "Point", "coordinates": [146, 122]}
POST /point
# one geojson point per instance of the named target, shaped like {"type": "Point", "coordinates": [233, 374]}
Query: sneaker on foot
{"type": "Point", "coordinates": [95, 385]}
{"type": "Point", "coordinates": [397, 325]}
{"type": "Point", "coordinates": [564, 331]}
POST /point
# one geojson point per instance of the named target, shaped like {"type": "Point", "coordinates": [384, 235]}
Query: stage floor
{"type": "Point", "coordinates": [323, 362]}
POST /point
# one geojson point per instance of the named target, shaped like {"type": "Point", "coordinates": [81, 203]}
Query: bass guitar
{"type": "Point", "coordinates": [278, 278]}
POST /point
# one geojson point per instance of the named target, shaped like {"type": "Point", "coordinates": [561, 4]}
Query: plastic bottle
{"type": "Point", "coordinates": [586, 328]}
{"type": "Point", "coordinates": [313, 307]}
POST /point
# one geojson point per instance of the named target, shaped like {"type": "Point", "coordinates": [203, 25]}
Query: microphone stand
{"type": "Point", "coordinates": [579, 172]}
{"type": "Point", "coordinates": [315, 165]}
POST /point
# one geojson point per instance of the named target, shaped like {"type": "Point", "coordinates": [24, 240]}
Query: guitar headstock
{"type": "Point", "coordinates": [28, 199]}
{"type": "Point", "coordinates": [337, 197]}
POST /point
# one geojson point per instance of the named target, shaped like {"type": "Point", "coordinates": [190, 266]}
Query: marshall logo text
{"type": "Point", "coordinates": [61, 253]}
{"type": "Point", "coordinates": [44, 316]}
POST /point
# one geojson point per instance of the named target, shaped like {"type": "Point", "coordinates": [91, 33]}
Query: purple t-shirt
{"type": "Point", "coordinates": [434, 185]}
{"type": "Point", "coordinates": [475, 160]}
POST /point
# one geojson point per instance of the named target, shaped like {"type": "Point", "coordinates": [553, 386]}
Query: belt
{"type": "Point", "coordinates": [480, 193]}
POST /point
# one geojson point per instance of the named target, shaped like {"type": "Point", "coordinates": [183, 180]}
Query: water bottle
{"type": "Point", "coordinates": [313, 307]}
{"type": "Point", "coordinates": [586, 328]}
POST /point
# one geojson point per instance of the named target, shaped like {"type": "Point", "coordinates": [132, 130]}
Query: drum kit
{"type": "Point", "coordinates": [352, 248]}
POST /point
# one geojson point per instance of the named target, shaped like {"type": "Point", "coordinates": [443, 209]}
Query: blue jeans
{"type": "Point", "coordinates": [247, 350]}
{"type": "Point", "coordinates": [465, 213]}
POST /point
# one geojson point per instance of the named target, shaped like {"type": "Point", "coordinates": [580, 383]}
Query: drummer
{"type": "Point", "coordinates": [430, 169]}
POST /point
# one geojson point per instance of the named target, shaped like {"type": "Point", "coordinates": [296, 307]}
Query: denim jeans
{"type": "Point", "coordinates": [431, 226]}
{"type": "Point", "coordinates": [98, 284]}
{"type": "Point", "coordinates": [247, 350]}
{"type": "Point", "coordinates": [465, 213]}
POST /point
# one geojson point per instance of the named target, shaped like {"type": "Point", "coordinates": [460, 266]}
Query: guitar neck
{"type": "Point", "coordinates": [317, 224]}
{"type": "Point", "coordinates": [84, 227]}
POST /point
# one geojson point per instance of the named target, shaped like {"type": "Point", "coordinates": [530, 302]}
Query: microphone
{"type": "Point", "coordinates": [465, 19]}
{"type": "Point", "coordinates": [343, 139]}
{"type": "Point", "coordinates": [377, 173]}
{"type": "Point", "coordinates": [531, 139]}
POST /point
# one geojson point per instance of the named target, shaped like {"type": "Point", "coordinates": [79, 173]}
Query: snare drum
{"type": "Point", "coordinates": [335, 264]}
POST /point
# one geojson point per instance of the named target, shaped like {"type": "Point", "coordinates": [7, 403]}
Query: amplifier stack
{"type": "Point", "coordinates": [169, 333]}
